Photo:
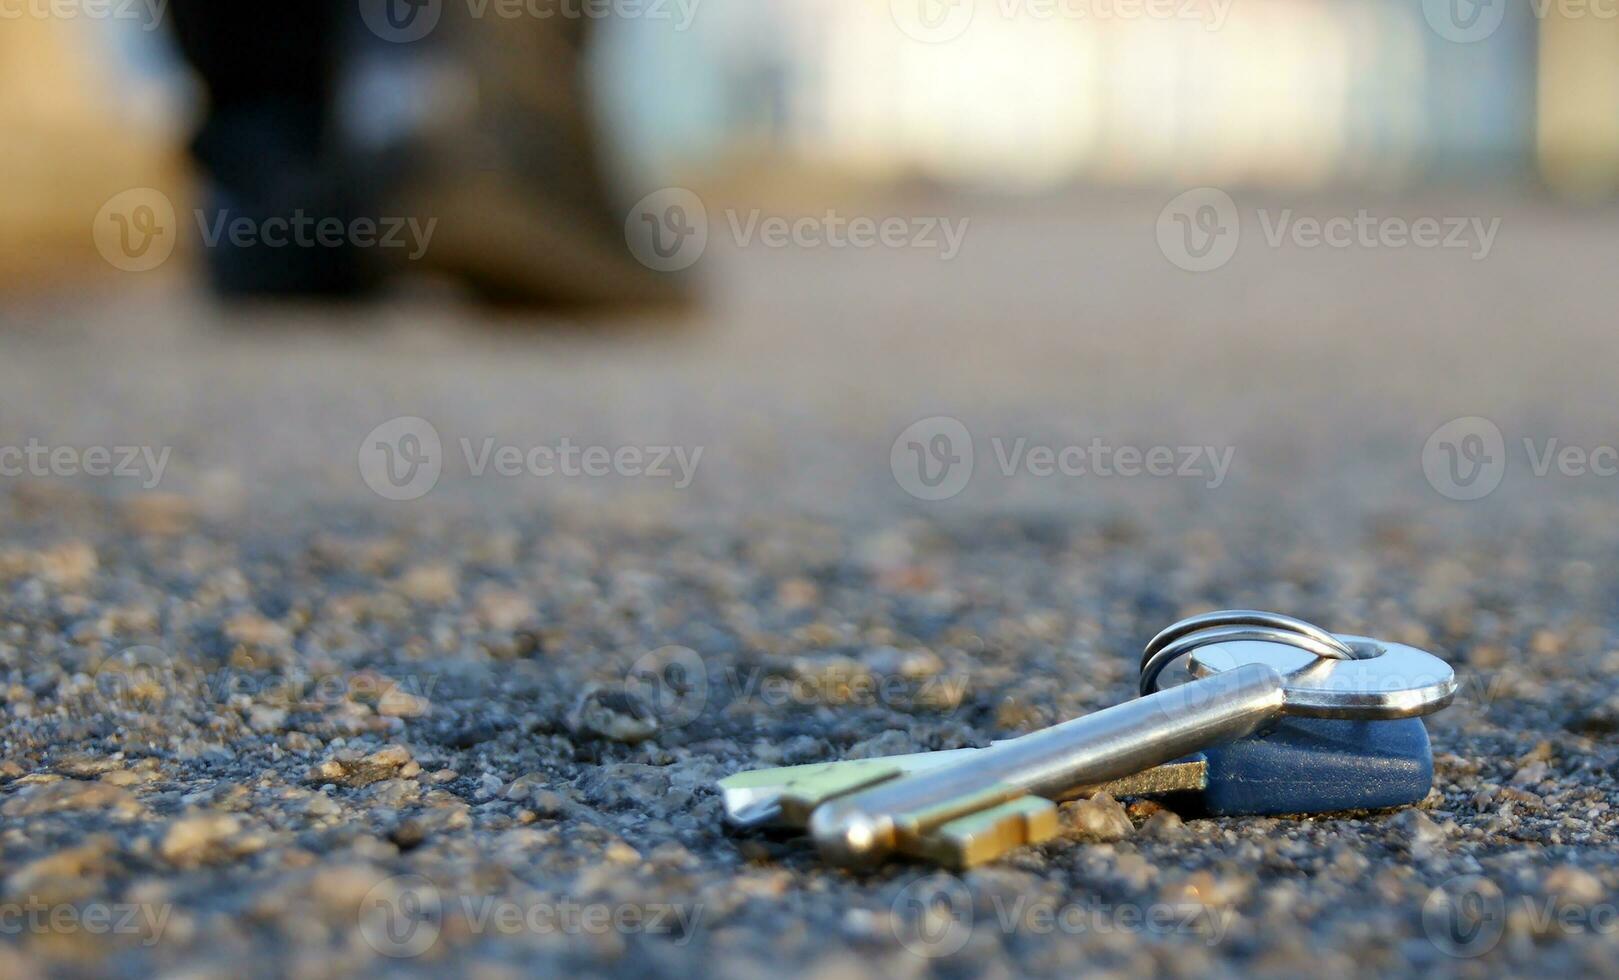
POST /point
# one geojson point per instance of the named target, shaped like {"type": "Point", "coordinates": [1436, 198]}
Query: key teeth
{"type": "Point", "coordinates": [799, 800]}
{"type": "Point", "coordinates": [987, 835]}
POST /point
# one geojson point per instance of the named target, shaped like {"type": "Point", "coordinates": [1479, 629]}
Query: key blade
{"type": "Point", "coordinates": [754, 798]}
{"type": "Point", "coordinates": [1189, 775]}
{"type": "Point", "coordinates": [985, 836]}
{"type": "Point", "coordinates": [987, 826]}
{"type": "Point", "coordinates": [747, 795]}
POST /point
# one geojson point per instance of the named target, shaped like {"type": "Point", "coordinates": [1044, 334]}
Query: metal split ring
{"type": "Point", "coordinates": [1230, 625]}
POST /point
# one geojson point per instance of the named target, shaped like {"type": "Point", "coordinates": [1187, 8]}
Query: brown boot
{"type": "Point", "coordinates": [515, 182]}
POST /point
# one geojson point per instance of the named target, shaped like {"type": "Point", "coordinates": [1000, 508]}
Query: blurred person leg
{"type": "Point", "coordinates": [507, 179]}
{"type": "Point", "coordinates": [515, 180]}
{"type": "Point", "coordinates": [268, 145]}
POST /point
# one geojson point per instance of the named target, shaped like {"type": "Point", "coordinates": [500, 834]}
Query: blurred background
{"type": "Point", "coordinates": [537, 144]}
{"type": "Point", "coordinates": [1024, 98]}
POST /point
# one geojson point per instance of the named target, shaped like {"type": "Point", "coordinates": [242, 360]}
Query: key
{"type": "Point", "coordinates": [969, 806]}
{"type": "Point", "coordinates": [1299, 765]}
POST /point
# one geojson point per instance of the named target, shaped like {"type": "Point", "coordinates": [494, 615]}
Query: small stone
{"type": "Point", "coordinates": [503, 611]}
{"type": "Point", "coordinates": [834, 680]}
{"type": "Point", "coordinates": [393, 755]}
{"type": "Point", "coordinates": [254, 630]}
{"type": "Point", "coordinates": [1164, 824]}
{"type": "Point", "coordinates": [198, 839]}
{"type": "Point", "coordinates": [548, 804]}
{"type": "Point", "coordinates": [1100, 818]}
{"type": "Point", "coordinates": [85, 766]}
{"type": "Point", "coordinates": [338, 891]}
{"type": "Point", "coordinates": [69, 795]}
{"type": "Point", "coordinates": [69, 565]}
{"type": "Point", "coordinates": [321, 805]}
{"type": "Point", "coordinates": [1203, 888]}
{"type": "Point", "coordinates": [1574, 886]}
{"type": "Point", "coordinates": [410, 833]}
{"type": "Point", "coordinates": [488, 786]}
{"type": "Point", "coordinates": [434, 583]}
{"type": "Point", "coordinates": [263, 718]}
{"type": "Point", "coordinates": [613, 714]}
{"type": "Point", "coordinates": [90, 859]}
{"type": "Point", "coordinates": [797, 593]}
{"type": "Point", "coordinates": [1418, 828]}
{"type": "Point", "coordinates": [160, 514]}
{"type": "Point", "coordinates": [1530, 774]}
{"type": "Point", "coordinates": [398, 703]}
{"type": "Point", "coordinates": [1016, 715]}
{"type": "Point", "coordinates": [891, 742]}
{"type": "Point", "coordinates": [619, 852]}
{"type": "Point", "coordinates": [886, 662]}
{"type": "Point", "coordinates": [386, 763]}
{"type": "Point", "coordinates": [524, 787]}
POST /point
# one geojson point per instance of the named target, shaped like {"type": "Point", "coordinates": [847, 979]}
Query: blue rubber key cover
{"type": "Point", "coordinates": [1319, 765]}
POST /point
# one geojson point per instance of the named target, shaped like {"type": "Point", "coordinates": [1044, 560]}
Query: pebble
{"type": "Point", "coordinates": [70, 565]}
{"type": "Point", "coordinates": [1165, 825]}
{"type": "Point", "coordinates": [360, 772]}
{"type": "Point", "coordinates": [431, 583]}
{"type": "Point", "coordinates": [1418, 829]}
{"type": "Point", "coordinates": [198, 839]}
{"type": "Point", "coordinates": [614, 714]}
{"type": "Point", "coordinates": [1099, 818]}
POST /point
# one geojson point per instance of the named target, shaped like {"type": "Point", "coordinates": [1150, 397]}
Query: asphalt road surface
{"type": "Point", "coordinates": [316, 623]}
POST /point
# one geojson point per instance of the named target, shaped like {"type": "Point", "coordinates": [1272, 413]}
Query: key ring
{"type": "Point", "coordinates": [1229, 625]}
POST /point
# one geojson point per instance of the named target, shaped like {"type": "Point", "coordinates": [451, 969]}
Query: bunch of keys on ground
{"type": "Point", "coordinates": [1281, 717]}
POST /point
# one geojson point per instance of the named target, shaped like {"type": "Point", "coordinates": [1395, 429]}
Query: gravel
{"type": "Point", "coordinates": [260, 721]}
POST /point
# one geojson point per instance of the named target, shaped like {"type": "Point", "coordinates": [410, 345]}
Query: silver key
{"type": "Point", "coordinates": [1250, 673]}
